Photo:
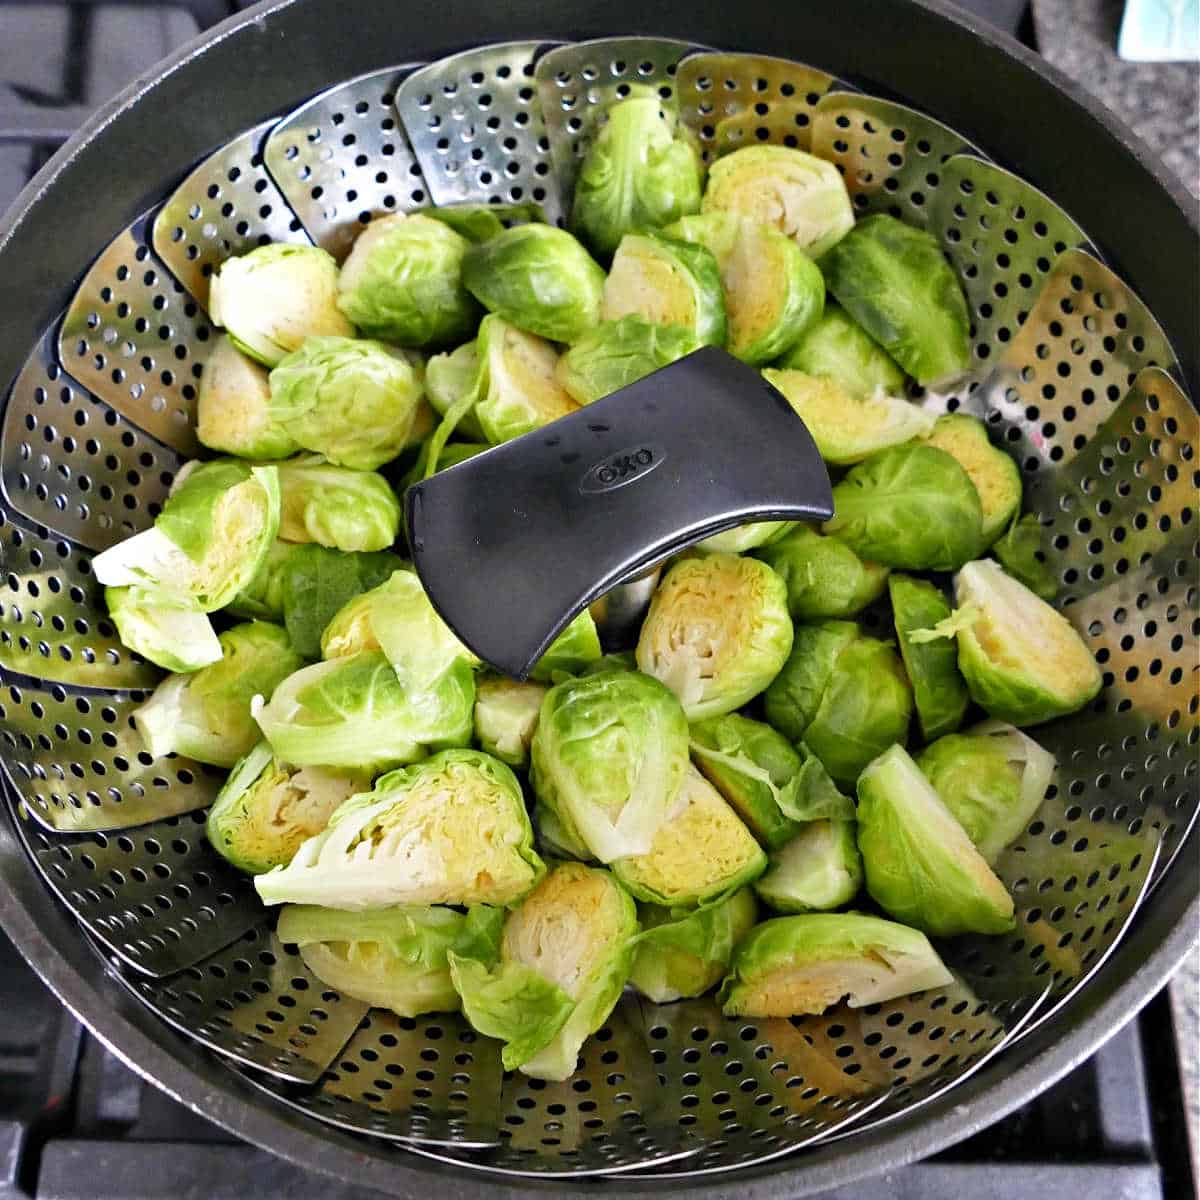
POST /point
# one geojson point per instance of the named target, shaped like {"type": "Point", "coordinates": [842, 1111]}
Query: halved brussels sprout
{"type": "Point", "coordinates": [354, 713]}
{"type": "Point", "coordinates": [702, 850]}
{"type": "Point", "coordinates": [992, 778]}
{"type": "Point", "coordinates": [799, 194]}
{"type": "Point", "coordinates": [824, 577]}
{"type": "Point", "coordinates": [717, 632]}
{"type": "Point", "coordinates": [894, 280]}
{"type": "Point", "coordinates": [742, 538]}
{"type": "Point", "coordinates": [789, 966]}
{"type": "Point", "coordinates": [351, 400]}
{"type": "Point", "coordinates": [1022, 556]}
{"type": "Point", "coordinates": [267, 808]}
{"type": "Point", "coordinates": [206, 715]}
{"type": "Point", "coordinates": [615, 354]}
{"type": "Point", "coordinates": [336, 506]}
{"type": "Point", "coordinates": [207, 543]}
{"type": "Point", "coordinates": [911, 506]}
{"type": "Point", "coordinates": [921, 866]}
{"type": "Point", "coordinates": [681, 954]}
{"type": "Point", "coordinates": [565, 955]}
{"type": "Point", "coordinates": [233, 413]}
{"type": "Point", "coordinates": [538, 278]}
{"type": "Point", "coordinates": [939, 690]}
{"type": "Point", "coordinates": [577, 647]}
{"type": "Point", "coordinates": [449, 379]}
{"type": "Point", "coordinates": [818, 870]}
{"type": "Point", "coordinates": [848, 427]}
{"type": "Point", "coordinates": [836, 348]}
{"type": "Point", "coordinates": [402, 282]}
{"type": "Point", "coordinates": [176, 639]}
{"type": "Point", "coordinates": [506, 714]}
{"type": "Point", "coordinates": [844, 695]}
{"type": "Point", "coordinates": [394, 958]}
{"type": "Point", "coordinates": [994, 474]}
{"type": "Point", "coordinates": [262, 596]}
{"type": "Point", "coordinates": [639, 173]}
{"type": "Point", "coordinates": [608, 758]}
{"type": "Point", "coordinates": [449, 830]}
{"type": "Point", "coordinates": [274, 297]}
{"type": "Point", "coordinates": [668, 282]}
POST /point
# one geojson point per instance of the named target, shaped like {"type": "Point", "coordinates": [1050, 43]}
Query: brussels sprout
{"type": "Point", "coordinates": [176, 639]}
{"type": "Point", "coordinates": [834, 347]}
{"type": "Point", "coordinates": [799, 194]}
{"type": "Point", "coordinates": [267, 808]}
{"type": "Point", "coordinates": [717, 632]}
{"type": "Point", "coordinates": [818, 870]}
{"type": "Point", "coordinates": [994, 474]}
{"type": "Point", "coordinates": [895, 282]}
{"type": "Point", "coordinates": [743, 538]}
{"type": "Point", "coordinates": [639, 173]}
{"type": "Point", "coordinates": [395, 958]}
{"type": "Point", "coordinates": [274, 297]}
{"type": "Point", "coordinates": [352, 401]}
{"type": "Point", "coordinates": [912, 507]}
{"type": "Point", "coordinates": [844, 695]}
{"type": "Point", "coordinates": [480, 222]}
{"type": "Point", "coordinates": [506, 714]}
{"type": "Point", "coordinates": [233, 413]}
{"type": "Point", "coordinates": [262, 596]}
{"type": "Point", "coordinates": [449, 378]}
{"type": "Point", "coordinates": [824, 577]}
{"type": "Point", "coordinates": [402, 282]}
{"type": "Point", "coordinates": [353, 712]}
{"type": "Point", "coordinates": [449, 830]}
{"type": "Point", "coordinates": [939, 690]}
{"type": "Point", "coordinates": [207, 543]}
{"type": "Point", "coordinates": [574, 649]}
{"type": "Point", "coordinates": [619, 660]}
{"type": "Point", "coordinates": [789, 966]}
{"type": "Point", "coordinates": [608, 758]}
{"type": "Point", "coordinates": [537, 278]}
{"type": "Point", "coordinates": [681, 954]}
{"type": "Point", "coordinates": [668, 282]}
{"type": "Point", "coordinates": [336, 506]}
{"type": "Point", "coordinates": [701, 851]}
{"type": "Point", "coordinates": [1021, 554]}
{"type": "Point", "coordinates": [845, 426]}
{"type": "Point", "coordinates": [564, 957]}
{"type": "Point", "coordinates": [617, 353]}
{"type": "Point", "coordinates": [206, 715]}
{"type": "Point", "coordinates": [921, 866]}
{"type": "Point", "coordinates": [992, 778]}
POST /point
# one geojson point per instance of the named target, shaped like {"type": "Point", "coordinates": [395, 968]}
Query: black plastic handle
{"type": "Point", "coordinates": [514, 543]}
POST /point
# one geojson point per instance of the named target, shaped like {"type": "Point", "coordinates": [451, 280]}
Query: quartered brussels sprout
{"type": "Point", "coordinates": [681, 954]}
{"type": "Point", "coordinates": [506, 714]}
{"type": "Point", "coordinates": [336, 506]}
{"type": "Point", "coordinates": [1021, 553]}
{"type": "Point", "coordinates": [402, 282]}
{"type": "Point", "coordinates": [351, 400]}
{"type": "Point", "coordinates": [848, 427]}
{"type": "Point", "coordinates": [449, 830]}
{"type": "Point", "coordinates": [206, 715]}
{"type": "Point", "coordinates": [274, 297]}
{"type": "Point", "coordinates": [702, 850]}
{"type": "Point", "coordinates": [994, 474]}
{"type": "Point", "coordinates": [450, 384]}
{"type": "Point", "coordinates": [794, 965]}
{"type": "Point", "coordinates": [824, 577]}
{"type": "Point", "coordinates": [921, 866]}
{"type": "Point", "coordinates": [207, 543]}
{"type": "Point", "coordinates": [564, 958]}
{"type": "Point", "coordinates": [743, 538]}
{"type": "Point", "coordinates": [267, 808]}
{"type": "Point", "coordinates": [233, 413]}
{"type": "Point", "coordinates": [912, 507]}
{"type": "Point", "coordinates": [176, 639]}
{"type": "Point", "coordinates": [639, 173]}
{"type": "Point", "coordinates": [608, 758]}
{"type": "Point", "coordinates": [668, 282]}
{"type": "Point", "coordinates": [836, 348]}
{"type": "Point", "coordinates": [717, 632]}
{"type": "Point", "coordinates": [894, 280]}
{"type": "Point", "coordinates": [354, 712]}
{"type": "Point", "coordinates": [818, 870]}
{"type": "Point", "coordinates": [845, 696]}
{"type": "Point", "coordinates": [575, 648]}
{"type": "Point", "coordinates": [615, 354]}
{"type": "Point", "coordinates": [939, 690]}
{"type": "Point", "coordinates": [992, 778]}
{"type": "Point", "coordinates": [393, 958]}
{"type": "Point", "coordinates": [538, 278]}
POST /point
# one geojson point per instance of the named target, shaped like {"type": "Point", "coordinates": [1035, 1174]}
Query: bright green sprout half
{"type": "Point", "coordinates": [838, 349]}
{"type": "Point", "coordinates": [823, 576]}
